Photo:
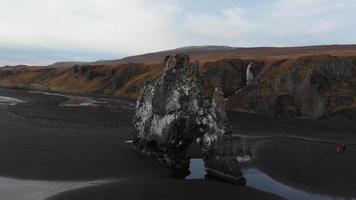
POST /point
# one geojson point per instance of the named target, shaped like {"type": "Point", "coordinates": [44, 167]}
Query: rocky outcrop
{"type": "Point", "coordinates": [311, 87]}
{"type": "Point", "coordinates": [229, 74]}
{"type": "Point", "coordinates": [172, 113]}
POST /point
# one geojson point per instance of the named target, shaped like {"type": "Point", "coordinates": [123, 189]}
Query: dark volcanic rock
{"type": "Point", "coordinates": [229, 74]}
{"type": "Point", "coordinates": [313, 87]}
{"type": "Point", "coordinates": [172, 113]}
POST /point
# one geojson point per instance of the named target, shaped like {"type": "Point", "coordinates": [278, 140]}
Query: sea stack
{"type": "Point", "coordinates": [172, 113]}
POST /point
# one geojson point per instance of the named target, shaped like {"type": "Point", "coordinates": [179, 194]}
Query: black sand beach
{"type": "Point", "coordinates": [301, 152]}
{"type": "Point", "coordinates": [40, 140]}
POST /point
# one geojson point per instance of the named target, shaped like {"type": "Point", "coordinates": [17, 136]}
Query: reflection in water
{"type": "Point", "coordinates": [261, 181]}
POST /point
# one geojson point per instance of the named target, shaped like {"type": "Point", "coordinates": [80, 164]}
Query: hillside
{"type": "Point", "coordinates": [302, 81]}
{"type": "Point", "coordinates": [213, 53]}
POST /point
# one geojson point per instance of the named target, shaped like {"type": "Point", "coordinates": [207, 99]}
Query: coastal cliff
{"type": "Point", "coordinates": [313, 87]}
{"type": "Point", "coordinates": [267, 82]}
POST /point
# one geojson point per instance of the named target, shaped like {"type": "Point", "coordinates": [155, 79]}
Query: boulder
{"type": "Point", "coordinates": [172, 113]}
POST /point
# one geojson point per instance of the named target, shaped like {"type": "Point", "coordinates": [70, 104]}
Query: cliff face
{"type": "Point", "coordinates": [124, 80]}
{"type": "Point", "coordinates": [229, 74]}
{"type": "Point", "coordinates": [309, 86]}
{"type": "Point", "coordinates": [172, 113]}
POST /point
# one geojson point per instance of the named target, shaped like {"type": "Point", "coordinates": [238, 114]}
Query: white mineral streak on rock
{"type": "Point", "coordinates": [245, 158]}
{"type": "Point", "coordinates": [144, 109]}
{"type": "Point", "coordinates": [160, 125]}
{"type": "Point", "coordinates": [173, 101]}
{"type": "Point", "coordinates": [186, 89]}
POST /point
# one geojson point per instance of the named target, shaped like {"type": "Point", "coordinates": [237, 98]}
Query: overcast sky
{"type": "Point", "coordinates": [44, 31]}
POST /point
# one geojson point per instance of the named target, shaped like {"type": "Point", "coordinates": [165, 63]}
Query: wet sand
{"type": "Point", "coordinates": [41, 141]}
{"type": "Point", "coordinates": [338, 130]}
{"type": "Point", "coordinates": [300, 153]}
{"type": "Point", "coordinates": [313, 167]}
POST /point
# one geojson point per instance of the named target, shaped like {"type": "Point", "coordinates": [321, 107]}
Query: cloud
{"type": "Point", "coordinates": [313, 14]}
{"type": "Point", "coordinates": [122, 26]}
{"type": "Point", "coordinates": [44, 31]}
{"type": "Point", "coordinates": [228, 23]}
{"type": "Point", "coordinates": [301, 8]}
{"type": "Point", "coordinates": [308, 22]}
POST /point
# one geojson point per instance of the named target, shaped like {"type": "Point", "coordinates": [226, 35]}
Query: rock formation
{"type": "Point", "coordinates": [172, 113]}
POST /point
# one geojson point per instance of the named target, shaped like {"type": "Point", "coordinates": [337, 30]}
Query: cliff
{"type": "Point", "coordinates": [312, 86]}
{"type": "Point", "coordinates": [285, 81]}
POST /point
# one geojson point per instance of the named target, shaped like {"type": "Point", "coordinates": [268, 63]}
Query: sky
{"type": "Point", "coordinates": [40, 32]}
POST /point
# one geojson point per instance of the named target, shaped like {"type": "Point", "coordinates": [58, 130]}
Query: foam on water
{"type": "Point", "coordinates": [17, 189]}
{"type": "Point", "coordinates": [9, 101]}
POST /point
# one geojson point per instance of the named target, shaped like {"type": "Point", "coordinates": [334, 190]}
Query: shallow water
{"type": "Point", "coordinates": [261, 181]}
{"type": "Point", "coordinates": [9, 101]}
{"type": "Point", "coordinates": [17, 189]}
{"type": "Point", "coordinates": [197, 169]}
{"type": "Point", "coordinates": [74, 101]}
{"type": "Point", "coordinates": [114, 105]}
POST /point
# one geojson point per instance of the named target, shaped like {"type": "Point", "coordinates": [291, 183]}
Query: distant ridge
{"type": "Point", "coordinates": [212, 53]}
{"type": "Point", "coordinates": [60, 64]}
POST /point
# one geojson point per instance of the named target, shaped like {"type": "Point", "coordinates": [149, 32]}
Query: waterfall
{"type": "Point", "coordinates": [249, 74]}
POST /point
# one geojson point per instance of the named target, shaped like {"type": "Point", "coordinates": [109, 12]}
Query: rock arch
{"type": "Point", "coordinates": [172, 112]}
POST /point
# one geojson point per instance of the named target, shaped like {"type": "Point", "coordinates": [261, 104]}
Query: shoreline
{"type": "Point", "coordinates": [68, 93]}
{"type": "Point", "coordinates": [75, 143]}
{"type": "Point", "coordinates": [41, 189]}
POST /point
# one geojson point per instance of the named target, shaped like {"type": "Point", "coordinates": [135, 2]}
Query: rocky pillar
{"type": "Point", "coordinates": [172, 112]}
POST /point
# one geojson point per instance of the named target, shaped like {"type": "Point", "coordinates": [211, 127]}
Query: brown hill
{"type": "Point", "coordinates": [213, 53]}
